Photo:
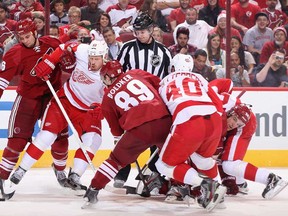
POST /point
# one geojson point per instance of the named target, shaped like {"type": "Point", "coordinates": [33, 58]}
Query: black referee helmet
{"type": "Point", "coordinates": [143, 21]}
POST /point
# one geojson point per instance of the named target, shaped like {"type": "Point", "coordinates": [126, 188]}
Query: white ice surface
{"type": "Point", "coordinates": [40, 195]}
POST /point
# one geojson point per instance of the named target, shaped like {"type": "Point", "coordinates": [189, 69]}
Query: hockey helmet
{"type": "Point", "coordinates": [112, 69]}
{"type": "Point", "coordinates": [24, 26]}
{"type": "Point", "coordinates": [143, 21]}
{"type": "Point", "coordinates": [98, 48]}
{"type": "Point", "coordinates": [182, 62]}
{"type": "Point", "coordinates": [242, 112]}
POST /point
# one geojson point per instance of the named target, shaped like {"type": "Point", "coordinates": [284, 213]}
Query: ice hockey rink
{"type": "Point", "coordinates": [40, 195]}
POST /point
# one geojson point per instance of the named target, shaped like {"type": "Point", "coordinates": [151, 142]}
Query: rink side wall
{"type": "Point", "coordinates": [268, 148]}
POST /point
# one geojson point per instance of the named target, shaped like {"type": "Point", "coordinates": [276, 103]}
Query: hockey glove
{"type": "Point", "coordinates": [68, 61]}
{"type": "Point", "coordinates": [96, 112]}
{"type": "Point", "coordinates": [230, 183]}
{"type": "Point", "coordinates": [45, 67]}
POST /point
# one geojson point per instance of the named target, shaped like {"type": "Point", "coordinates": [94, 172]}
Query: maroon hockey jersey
{"type": "Point", "coordinates": [132, 100]}
{"type": "Point", "coordinates": [7, 30]}
{"type": "Point", "coordinates": [20, 60]}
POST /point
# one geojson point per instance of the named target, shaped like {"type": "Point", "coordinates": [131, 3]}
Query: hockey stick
{"type": "Point", "coordinates": [241, 93]}
{"type": "Point", "coordinates": [76, 136]}
{"type": "Point", "coordinates": [147, 163]}
{"type": "Point", "coordinates": [74, 132]}
{"type": "Point", "coordinates": [146, 192]}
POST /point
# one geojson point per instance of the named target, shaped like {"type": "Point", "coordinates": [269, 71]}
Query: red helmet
{"type": "Point", "coordinates": [112, 69]}
{"type": "Point", "coordinates": [242, 112]}
{"type": "Point", "coordinates": [25, 26]}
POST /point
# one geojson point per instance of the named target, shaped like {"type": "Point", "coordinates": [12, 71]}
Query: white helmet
{"type": "Point", "coordinates": [182, 62]}
{"type": "Point", "coordinates": [98, 48]}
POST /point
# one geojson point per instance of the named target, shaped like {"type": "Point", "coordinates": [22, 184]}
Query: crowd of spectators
{"type": "Point", "coordinates": [258, 30]}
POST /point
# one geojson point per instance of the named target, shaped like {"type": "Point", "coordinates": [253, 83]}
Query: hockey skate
{"type": "Point", "coordinates": [274, 186]}
{"type": "Point", "coordinates": [118, 183]}
{"type": "Point", "coordinates": [179, 194]}
{"type": "Point", "coordinates": [17, 175]}
{"type": "Point", "coordinates": [90, 197]}
{"type": "Point", "coordinates": [152, 185]}
{"type": "Point", "coordinates": [243, 188]}
{"type": "Point", "coordinates": [5, 195]}
{"type": "Point", "coordinates": [73, 181]}
{"type": "Point", "coordinates": [60, 175]}
{"type": "Point", "coordinates": [212, 194]}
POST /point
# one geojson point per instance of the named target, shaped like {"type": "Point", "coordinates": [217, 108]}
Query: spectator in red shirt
{"type": "Point", "coordinates": [26, 9]}
{"type": "Point", "coordinates": [280, 35]}
{"type": "Point", "coordinates": [276, 17]}
{"type": "Point", "coordinates": [220, 29]}
{"type": "Point", "coordinates": [178, 15]}
{"type": "Point", "coordinates": [242, 15]}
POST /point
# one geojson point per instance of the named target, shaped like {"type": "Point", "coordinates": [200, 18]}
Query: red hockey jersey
{"type": "Point", "coordinates": [20, 60]}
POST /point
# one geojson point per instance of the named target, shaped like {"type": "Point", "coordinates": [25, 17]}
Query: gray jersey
{"type": "Point", "coordinates": [256, 39]}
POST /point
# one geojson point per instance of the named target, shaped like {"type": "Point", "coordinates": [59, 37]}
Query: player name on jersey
{"type": "Point", "coordinates": [118, 85]}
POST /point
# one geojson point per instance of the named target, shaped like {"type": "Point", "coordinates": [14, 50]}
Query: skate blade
{"type": "Point", "coordinates": [86, 205]}
{"type": "Point", "coordinates": [279, 187]}
{"type": "Point", "coordinates": [175, 200]}
{"type": "Point", "coordinates": [219, 194]}
{"type": "Point", "coordinates": [8, 192]}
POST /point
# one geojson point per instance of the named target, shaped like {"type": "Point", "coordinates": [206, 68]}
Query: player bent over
{"type": "Point", "coordinates": [134, 110]}
{"type": "Point", "coordinates": [238, 132]}
{"type": "Point", "coordinates": [32, 96]}
{"type": "Point", "coordinates": [77, 95]}
{"type": "Point", "coordinates": [193, 105]}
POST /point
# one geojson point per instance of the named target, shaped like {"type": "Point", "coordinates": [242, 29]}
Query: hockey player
{"type": "Point", "coordinates": [81, 96]}
{"type": "Point", "coordinates": [237, 134]}
{"type": "Point", "coordinates": [239, 125]}
{"type": "Point", "coordinates": [133, 109]}
{"type": "Point", "coordinates": [32, 94]}
{"type": "Point", "coordinates": [193, 104]}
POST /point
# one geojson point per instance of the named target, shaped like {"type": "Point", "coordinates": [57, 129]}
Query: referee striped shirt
{"type": "Point", "coordinates": [154, 57]}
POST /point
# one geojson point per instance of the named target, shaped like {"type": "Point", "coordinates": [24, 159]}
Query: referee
{"type": "Point", "coordinates": [149, 55]}
{"type": "Point", "coordinates": [144, 52]}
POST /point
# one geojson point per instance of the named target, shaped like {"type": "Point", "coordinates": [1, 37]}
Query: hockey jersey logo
{"type": "Point", "coordinates": [155, 60]}
{"type": "Point", "coordinates": [81, 77]}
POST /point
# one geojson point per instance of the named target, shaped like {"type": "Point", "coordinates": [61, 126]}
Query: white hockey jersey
{"type": "Point", "coordinates": [84, 86]}
{"type": "Point", "coordinates": [187, 94]}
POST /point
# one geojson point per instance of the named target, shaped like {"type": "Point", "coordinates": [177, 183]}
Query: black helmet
{"type": "Point", "coordinates": [143, 21]}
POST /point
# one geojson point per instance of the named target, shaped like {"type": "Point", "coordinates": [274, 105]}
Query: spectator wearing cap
{"type": "Point", "coordinates": [182, 46]}
{"type": "Point", "coordinates": [198, 29]}
{"type": "Point", "coordinates": [280, 35]}
{"type": "Point", "coordinates": [276, 17]}
{"type": "Point", "coordinates": [58, 16]}
{"type": "Point", "coordinates": [210, 12]}
{"type": "Point", "coordinates": [273, 73]}
{"type": "Point", "coordinates": [258, 35]}
{"type": "Point", "coordinates": [220, 29]}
